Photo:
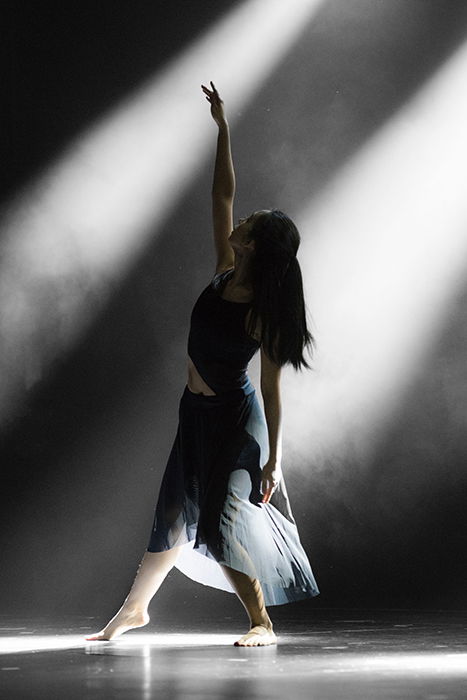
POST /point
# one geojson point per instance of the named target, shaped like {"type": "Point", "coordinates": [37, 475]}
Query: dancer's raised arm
{"type": "Point", "coordinates": [223, 186]}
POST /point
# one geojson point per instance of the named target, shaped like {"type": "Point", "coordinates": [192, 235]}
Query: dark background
{"type": "Point", "coordinates": [83, 454]}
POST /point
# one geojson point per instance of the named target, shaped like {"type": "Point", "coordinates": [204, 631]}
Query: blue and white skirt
{"type": "Point", "coordinates": [210, 501]}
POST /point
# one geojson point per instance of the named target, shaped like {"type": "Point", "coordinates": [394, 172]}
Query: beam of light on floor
{"type": "Point", "coordinates": [384, 252]}
{"type": "Point", "coordinates": [31, 643]}
{"type": "Point", "coordinates": [145, 645]}
{"type": "Point", "coordinates": [69, 236]}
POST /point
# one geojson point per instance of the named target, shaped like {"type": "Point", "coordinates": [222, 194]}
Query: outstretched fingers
{"type": "Point", "coordinates": [217, 106]}
{"type": "Point", "coordinates": [211, 94]}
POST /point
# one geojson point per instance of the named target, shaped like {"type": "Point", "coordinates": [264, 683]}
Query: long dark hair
{"type": "Point", "coordinates": [278, 301]}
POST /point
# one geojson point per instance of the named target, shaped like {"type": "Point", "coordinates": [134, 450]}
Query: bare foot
{"type": "Point", "coordinates": [123, 621]}
{"type": "Point", "coordinates": [258, 636]}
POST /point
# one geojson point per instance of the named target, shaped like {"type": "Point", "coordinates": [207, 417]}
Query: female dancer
{"type": "Point", "coordinates": [223, 515]}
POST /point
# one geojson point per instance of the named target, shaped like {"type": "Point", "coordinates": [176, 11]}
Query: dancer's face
{"type": "Point", "coordinates": [240, 238]}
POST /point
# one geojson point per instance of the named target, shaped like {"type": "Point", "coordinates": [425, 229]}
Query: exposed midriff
{"type": "Point", "coordinates": [195, 382]}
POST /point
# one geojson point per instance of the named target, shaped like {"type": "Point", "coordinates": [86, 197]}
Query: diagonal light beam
{"type": "Point", "coordinates": [68, 236]}
{"type": "Point", "coordinates": [385, 252]}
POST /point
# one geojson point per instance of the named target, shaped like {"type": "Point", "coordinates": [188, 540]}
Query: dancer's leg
{"type": "Point", "coordinates": [251, 595]}
{"type": "Point", "coordinates": [152, 571]}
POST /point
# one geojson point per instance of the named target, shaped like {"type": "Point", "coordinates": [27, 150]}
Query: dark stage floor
{"type": "Point", "coordinates": [351, 654]}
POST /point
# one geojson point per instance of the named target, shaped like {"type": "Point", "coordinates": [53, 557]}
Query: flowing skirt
{"type": "Point", "coordinates": [210, 501]}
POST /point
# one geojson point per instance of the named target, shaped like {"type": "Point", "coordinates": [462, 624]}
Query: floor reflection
{"type": "Point", "coordinates": [376, 655]}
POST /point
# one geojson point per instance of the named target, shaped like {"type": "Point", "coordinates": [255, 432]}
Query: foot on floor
{"type": "Point", "coordinates": [258, 636]}
{"type": "Point", "coordinates": [122, 622]}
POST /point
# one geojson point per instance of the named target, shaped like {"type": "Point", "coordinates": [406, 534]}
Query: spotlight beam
{"type": "Point", "coordinates": [386, 253]}
{"type": "Point", "coordinates": [70, 235]}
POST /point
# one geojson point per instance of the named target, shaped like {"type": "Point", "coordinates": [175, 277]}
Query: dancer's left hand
{"type": "Point", "coordinates": [272, 474]}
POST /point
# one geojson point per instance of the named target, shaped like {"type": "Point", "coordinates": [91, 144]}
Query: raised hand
{"type": "Point", "coordinates": [217, 106]}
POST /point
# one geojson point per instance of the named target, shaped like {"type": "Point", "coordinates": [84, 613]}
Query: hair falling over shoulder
{"type": "Point", "coordinates": [278, 308]}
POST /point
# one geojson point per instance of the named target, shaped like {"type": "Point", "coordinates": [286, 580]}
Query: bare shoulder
{"type": "Point", "coordinates": [223, 267]}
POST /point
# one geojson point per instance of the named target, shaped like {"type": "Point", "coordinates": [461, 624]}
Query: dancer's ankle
{"type": "Point", "coordinates": [134, 607]}
{"type": "Point", "coordinates": [261, 622]}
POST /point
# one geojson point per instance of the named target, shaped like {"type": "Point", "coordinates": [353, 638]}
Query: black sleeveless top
{"type": "Point", "coordinates": [218, 343]}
